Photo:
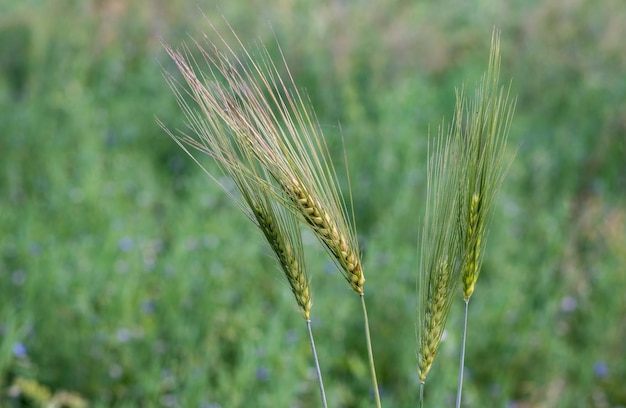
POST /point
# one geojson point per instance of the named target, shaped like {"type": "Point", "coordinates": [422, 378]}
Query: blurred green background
{"type": "Point", "coordinates": [127, 278]}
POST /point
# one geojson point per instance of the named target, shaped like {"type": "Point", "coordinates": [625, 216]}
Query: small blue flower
{"type": "Point", "coordinates": [125, 244]}
{"type": "Point", "coordinates": [34, 248]}
{"type": "Point", "coordinates": [19, 350]}
{"type": "Point", "coordinates": [291, 336]}
{"type": "Point", "coordinates": [18, 277]}
{"type": "Point", "coordinates": [262, 373]}
{"type": "Point", "coordinates": [147, 306]}
{"type": "Point", "coordinates": [123, 335]}
{"type": "Point", "coordinates": [601, 369]}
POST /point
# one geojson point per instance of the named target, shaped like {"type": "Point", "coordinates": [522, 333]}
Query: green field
{"type": "Point", "coordinates": [128, 278]}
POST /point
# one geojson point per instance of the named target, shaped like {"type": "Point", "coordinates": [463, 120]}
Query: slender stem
{"type": "Point", "coordinates": [370, 353]}
{"type": "Point", "coordinates": [421, 395]}
{"type": "Point", "coordinates": [317, 364]}
{"type": "Point", "coordinates": [462, 362]}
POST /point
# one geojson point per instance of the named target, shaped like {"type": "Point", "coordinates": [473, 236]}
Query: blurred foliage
{"type": "Point", "coordinates": [128, 278]}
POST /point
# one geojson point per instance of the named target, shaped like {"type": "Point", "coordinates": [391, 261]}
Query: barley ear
{"type": "Point", "coordinates": [293, 150]}
{"type": "Point", "coordinates": [214, 133]}
{"type": "Point", "coordinates": [439, 270]}
{"type": "Point", "coordinates": [482, 145]}
{"type": "Point", "coordinates": [275, 124]}
{"type": "Point", "coordinates": [251, 108]}
{"type": "Point", "coordinates": [484, 163]}
{"type": "Point", "coordinates": [218, 130]}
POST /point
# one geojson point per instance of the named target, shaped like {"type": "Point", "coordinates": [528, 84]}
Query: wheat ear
{"type": "Point", "coordinates": [270, 120]}
{"type": "Point", "coordinates": [482, 145]}
{"type": "Point", "coordinates": [438, 276]}
{"type": "Point", "coordinates": [327, 230]}
{"type": "Point", "coordinates": [289, 258]}
{"type": "Point", "coordinates": [275, 124]}
{"type": "Point", "coordinates": [214, 134]}
{"type": "Point", "coordinates": [483, 162]}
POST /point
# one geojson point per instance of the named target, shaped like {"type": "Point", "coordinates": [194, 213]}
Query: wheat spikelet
{"type": "Point", "coordinates": [287, 251]}
{"type": "Point", "coordinates": [437, 307]}
{"type": "Point", "coordinates": [265, 137]}
{"type": "Point", "coordinates": [327, 230]}
{"type": "Point", "coordinates": [472, 248]}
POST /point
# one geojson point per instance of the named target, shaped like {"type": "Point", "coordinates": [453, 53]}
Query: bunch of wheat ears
{"type": "Point", "coordinates": [261, 131]}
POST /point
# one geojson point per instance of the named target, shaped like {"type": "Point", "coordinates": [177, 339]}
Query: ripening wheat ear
{"type": "Point", "coordinates": [212, 138]}
{"type": "Point", "coordinates": [272, 122]}
{"type": "Point", "coordinates": [266, 115]}
{"type": "Point", "coordinates": [215, 136]}
{"type": "Point", "coordinates": [277, 125]}
{"type": "Point", "coordinates": [247, 109]}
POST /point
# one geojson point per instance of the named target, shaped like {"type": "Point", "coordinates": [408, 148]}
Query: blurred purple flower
{"type": "Point", "coordinates": [18, 277]}
{"type": "Point", "coordinates": [34, 248]}
{"type": "Point", "coordinates": [601, 369]}
{"type": "Point", "coordinates": [125, 244]}
{"type": "Point", "coordinates": [262, 373]}
{"type": "Point", "coordinates": [568, 304]}
{"type": "Point", "coordinates": [147, 306]}
{"type": "Point", "coordinates": [123, 335]}
{"type": "Point", "coordinates": [116, 371]}
{"type": "Point", "coordinates": [291, 336]}
{"type": "Point", "coordinates": [19, 350]}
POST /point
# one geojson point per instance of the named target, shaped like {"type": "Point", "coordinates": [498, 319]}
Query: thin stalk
{"type": "Point", "coordinates": [317, 364]}
{"type": "Point", "coordinates": [421, 395]}
{"type": "Point", "coordinates": [462, 362]}
{"type": "Point", "coordinates": [370, 353]}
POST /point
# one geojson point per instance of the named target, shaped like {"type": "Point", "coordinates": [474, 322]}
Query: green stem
{"type": "Point", "coordinates": [462, 362]}
{"type": "Point", "coordinates": [317, 364]}
{"type": "Point", "coordinates": [370, 353]}
{"type": "Point", "coordinates": [421, 395]}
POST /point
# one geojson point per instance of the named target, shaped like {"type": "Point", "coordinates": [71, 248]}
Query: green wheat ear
{"type": "Point", "coordinates": [482, 143]}
{"type": "Point", "coordinates": [438, 275]}
{"type": "Point", "coordinates": [483, 164]}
